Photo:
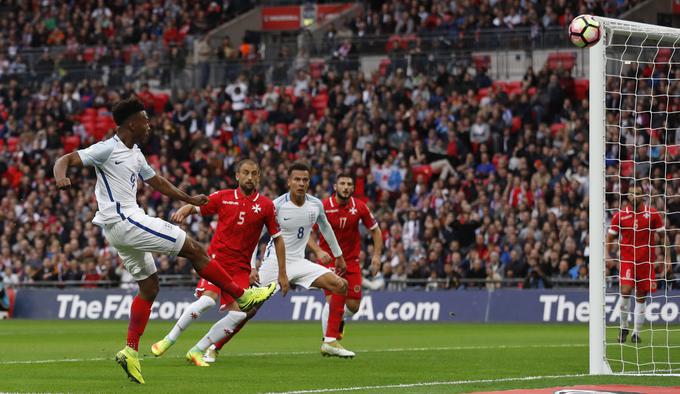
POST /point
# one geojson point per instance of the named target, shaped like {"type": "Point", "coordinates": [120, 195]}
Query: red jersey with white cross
{"type": "Point", "coordinates": [344, 220]}
{"type": "Point", "coordinates": [240, 220]}
{"type": "Point", "coordinates": [636, 231]}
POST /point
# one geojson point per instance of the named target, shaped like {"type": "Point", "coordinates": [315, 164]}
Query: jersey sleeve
{"type": "Point", "coordinates": [327, 231]}
{"type": "Point", "coordinates": [614, 227]}
{"type": "Point", "coordinates": [96, 154]}
{"type": "Point", "coordinates": [271, 222]}
{"type": "Point", "coordinates": [213, 205]}
{"type": "Point", "coordinates": [145, 171]}
{"type": "Point", "coordinates": [367, 217]}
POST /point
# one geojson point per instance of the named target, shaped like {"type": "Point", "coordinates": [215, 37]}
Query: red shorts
{"type": "Point", "coordinates": [241, 278]}
{"type": "Point", "coordinates": [640, 275]}
{"type": "Point", "coordinates": [353, 283]}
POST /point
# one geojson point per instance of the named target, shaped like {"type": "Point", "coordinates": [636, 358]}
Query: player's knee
{"type": "Point", "coordinates": [341, 286]}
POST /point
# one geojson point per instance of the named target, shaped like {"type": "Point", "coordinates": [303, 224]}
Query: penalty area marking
{"type": "Point", "coordinates": [258, 354]}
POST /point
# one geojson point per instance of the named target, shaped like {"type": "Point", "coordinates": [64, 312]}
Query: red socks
{"type": "Point", "coordinates": [216, 275]}
{"type": "Point", "coordinates": [336, 310]}
{"type": "Point", "coordinates": [139, 316]}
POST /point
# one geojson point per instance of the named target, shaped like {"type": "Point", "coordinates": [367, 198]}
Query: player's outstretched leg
{"type": "Point", "coordinates": [216, 333]}
{"type": "Point", "coordinates": [191, 313]}
{"type": "Point", "coordinates": [140, 310]}
{"type": "Point", "coordinates": [214, 273]}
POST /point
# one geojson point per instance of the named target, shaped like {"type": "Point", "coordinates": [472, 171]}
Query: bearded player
{"type": "Point", "coordinates": [118, 162]}
{"type": "Point", "coordinates": [242, 214]}
{"type": "Point", "coordinates": [634, 229]}
{"type": "Point", "coordinates": [344, 213]}
{"type": "Point", "coordinates": [297, 212]}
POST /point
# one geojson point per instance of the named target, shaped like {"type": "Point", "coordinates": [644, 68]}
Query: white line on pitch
{"type": "Point", "coordinates": [423, 384]}
{"type": "Point", "coordinates": [257, 354]}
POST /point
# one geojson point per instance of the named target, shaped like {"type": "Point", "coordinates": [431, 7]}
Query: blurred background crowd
{"type": "Point", "coordinates": [476, 181]}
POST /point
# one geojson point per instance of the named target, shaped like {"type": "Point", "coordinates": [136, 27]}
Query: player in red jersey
{"type": "Point", "coordinates": [633, 228]}
{"type": "Point", "coordinates": [344, 213]}
{"type": "Point", "coordinates": [242, 213]}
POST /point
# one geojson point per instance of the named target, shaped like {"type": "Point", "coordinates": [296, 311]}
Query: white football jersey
{"type": "Point", "coordinates": [117, 168]}
{"type": "Point", "coordinates": [296, 224]}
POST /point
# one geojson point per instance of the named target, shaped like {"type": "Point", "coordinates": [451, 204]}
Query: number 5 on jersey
{"type": "Point", "coordinates": [241, 218]}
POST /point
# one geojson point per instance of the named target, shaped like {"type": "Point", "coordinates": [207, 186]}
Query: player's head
{"type": "Point", "coordinates": [636, 196]}
{"type": "Point", "coordinates": [130, 114]}
{"type": "Point", "coordinates": [299, 175]}
{"type": "Point", "coordinates": [247, 175]}
{"type": "Point", "coordinates": [344, 186]}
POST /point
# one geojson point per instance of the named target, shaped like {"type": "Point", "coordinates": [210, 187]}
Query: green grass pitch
{"type": "Point", "coordinates": [77, 356]}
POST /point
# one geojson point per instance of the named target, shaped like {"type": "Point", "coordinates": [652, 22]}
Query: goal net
{"type": "Point", "coordinates": [635, 173]}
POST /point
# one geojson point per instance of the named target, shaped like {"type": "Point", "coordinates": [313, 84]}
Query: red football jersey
{"type": "Point", "coordinates": [239, 225]}
{"type": "Point", "coordinates": [636, 231]}
{"type": "Point", "coordinates": [344, 220]}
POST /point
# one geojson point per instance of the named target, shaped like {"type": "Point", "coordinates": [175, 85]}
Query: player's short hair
{"type": "Point", "coordinates": [299, 166]}
{"type": "Point", "coordinates": [246, 161]}
{"type": "Point", "coordinates": [345, 175]}
{"type": "Point", "coordinates": [126, 108]}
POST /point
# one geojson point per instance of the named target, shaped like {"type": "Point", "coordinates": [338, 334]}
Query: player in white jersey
{"type": "Point", "coordinates": [118, 162]}
{"type": "Point", "coordinates": [297, 212]}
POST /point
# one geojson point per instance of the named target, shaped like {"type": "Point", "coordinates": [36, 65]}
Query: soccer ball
{"type": "Point", "coordinates": [584, 31]}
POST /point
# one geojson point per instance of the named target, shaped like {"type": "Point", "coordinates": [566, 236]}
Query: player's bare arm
{"type": "Point", "coordinates": [320, 254]}
{"type": "Point", "coordinates": [182, 213]}
{"type": "Point", "coordinates": [165, 187]}
{"type": "Point", "coordinates": [280, 247]}
{"type": "Point", "coordinates": [62, 165]}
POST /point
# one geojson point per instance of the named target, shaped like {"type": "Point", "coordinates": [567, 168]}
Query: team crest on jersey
{"type": "Point", "coordinates": [256, 208]}
{"type": "Point", "coordinates": [357, 288]}
{"type": "Point", "coordinates": [312, 218]}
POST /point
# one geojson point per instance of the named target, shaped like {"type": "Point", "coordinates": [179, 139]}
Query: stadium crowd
{"type": "Point", "coordinates": [464, 185]}
{"type": "Point", "coordinates": [440, 16]}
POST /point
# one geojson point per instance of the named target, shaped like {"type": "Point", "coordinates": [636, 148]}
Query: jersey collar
{"type": "Point", "coordinates": [238, 195]}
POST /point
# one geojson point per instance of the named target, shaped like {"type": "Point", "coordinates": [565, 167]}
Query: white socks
{"type": "Point", "coordinates": [624, 306]}
{"type": "Point", "coordinates": [324, 318]}
{"type": "Point", "coordinates": [348, 313]}
{"type": "Point", "coordinates": [190, 314]}
{"type": "Point", "coordinates": [221, 329]}
{"type": "Point", "coordinates": [639, 316]}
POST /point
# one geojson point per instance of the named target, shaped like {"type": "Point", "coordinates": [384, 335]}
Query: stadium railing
{"type": "Point", "coordinates": [397, 284]}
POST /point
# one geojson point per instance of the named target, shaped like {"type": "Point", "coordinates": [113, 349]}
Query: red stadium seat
{"type": "Point", "coordinates": [556, 128]}
{"type": "Point", "coordinates": [384, 66]}
{"type": "Point", "coordinates": [12, 144]}
{"type": "Point", "coordinates": [516, 124]}
{"type": "Point", "coordinates": [581, 88]}
{"type": "Point", "coordinates": [70, 143]}
{"type": "Point", "coordinates": [88, 55]}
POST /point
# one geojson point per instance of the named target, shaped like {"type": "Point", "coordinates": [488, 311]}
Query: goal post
{"type": "Point", "coordinates": [634, 139]}
{"type": "Point", "coordinates": [596, 208]}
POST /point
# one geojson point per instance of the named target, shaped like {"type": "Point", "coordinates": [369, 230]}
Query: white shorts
{"type": "Point", "coordinates": [140, 235]}
{"type": "Point", "coordinates": [301, 273]}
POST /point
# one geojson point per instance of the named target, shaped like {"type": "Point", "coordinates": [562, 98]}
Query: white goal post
{"type": "Point", "coordinates": [632, 117]}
